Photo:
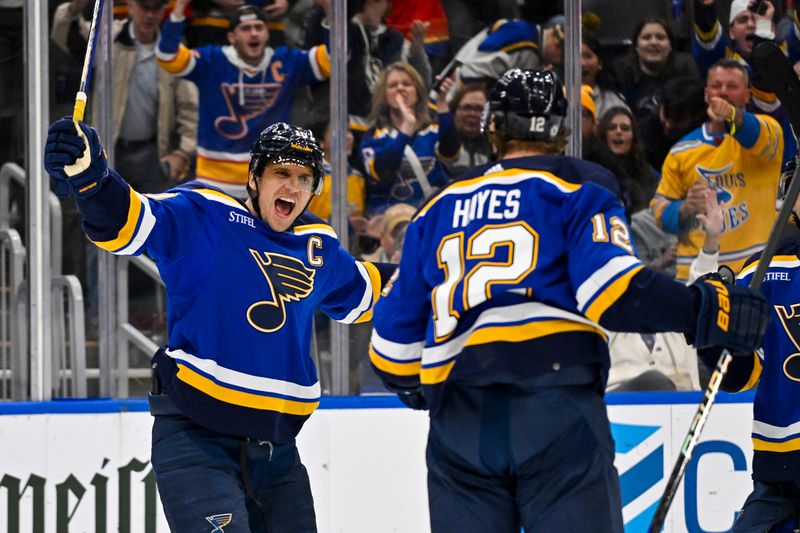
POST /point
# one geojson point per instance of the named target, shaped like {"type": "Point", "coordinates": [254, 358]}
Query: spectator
{"type": "Point", "coordinates": [155, 113]}
{"type": "Point", "coordinates": [681, 109]}
{"type": "Point", "coordinates": [664, 361]}
{"type": "Point", "coordinates": [389, 229]}
{"type": "Point", "coordinates": [321, 204]}
{"type": "Point", "coordinates": [652, 61]}
{"type": "Point", "coordinates": [403, 147]}
{"type": "Point", "coordinates": [510, 43]}
{"type": "Point", "coordinates": [596, 151]}
{"type": "Point", "coordinates": [596, 74]}
{"type": "Point", "coordinates": [467, 107]}
{"type": "Point", "coordinates": [711, 44]}
{"type": "Point", "coordinates": [735, 153]}
{"type": "Point", "coordinates": [617, 129]}
{"type": "Point", "coordinates": [207, 21]}
{"type": "Point", "coordinates": [245, 86]}
{"type": "Point", "coordinates": [372, 46]}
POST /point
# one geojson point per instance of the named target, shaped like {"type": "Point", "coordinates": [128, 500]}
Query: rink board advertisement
{"type": "Point", "coordinates": [83, 466]}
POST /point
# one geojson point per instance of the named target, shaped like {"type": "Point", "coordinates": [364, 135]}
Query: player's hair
{"type": "Point", "coordinates": [554, 146]}
{"type": "Point", "coordinates": [379, 115]}
{"type": "Point", "coordinates": [731, 64]}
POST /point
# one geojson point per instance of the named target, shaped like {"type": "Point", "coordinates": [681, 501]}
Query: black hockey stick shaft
{"type": "Point", "coordinates": [787, 87]}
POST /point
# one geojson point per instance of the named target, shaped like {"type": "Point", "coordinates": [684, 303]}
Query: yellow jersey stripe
{"type": "Point", "coordinates": [766, 446]}
{"type": "Point", "coordinates": [755, 375]}
{"type": "Point", "coordinates": [611, 294]}
{"type": "Point", "coordinates": [244, 399]}
{"type": "Point", "coordinates": [216, 22]}
{"type": "Point", "coordinates": [529, 331]}
{"type": "Point", "coordinates": [178, 63]}
{"type": "Point", "coordinates": [776, 259]}
{"type": "Point", "coordinates": [709, 35]}
{"type": "Point", "coordinates": [125, 235]}
{"type": "Point", "coordinates": [223, 171]}
{"type": "Point", "coordinates": [410, 368]}
{"type": "Point", "coordinates": [436, 374]}
{"type": "Point", "coordinates": [522, 44]}
{"type": "Point", "coordinates": [375, 283]}
{"type": "Point", "coordinates": [324, 61]}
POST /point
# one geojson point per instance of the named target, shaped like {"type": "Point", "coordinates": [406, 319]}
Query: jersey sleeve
{"type": "Point", "coordinates": [313, 65]}
{"type": "Point", "coordinates": [668, 196]}
{"type": "Point", "coordinates": [708, 45]}
{"type": "Point", "coordinates": [351, 287]}
{"type": "Point", "coordinates": [121, 221]}
{"type": "Point", "coordinates": [761, 135]}
{"type": "Point", "coordinates": [401, 319]}
{"type": "Point", "coordinates": [601, 258]}
{"type": "Point", "coordinates": [176, 58]}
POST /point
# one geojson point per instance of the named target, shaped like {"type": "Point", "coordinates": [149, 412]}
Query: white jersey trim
{"type": "Point", "coordinates": [598, 280]}
{"type": "Point", "coordinates": [247, 381]}
{"type": "Point", "coordinates": [145, 228]}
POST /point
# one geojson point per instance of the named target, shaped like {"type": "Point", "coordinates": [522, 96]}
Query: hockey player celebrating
{"type": "Point", "coordinates": [496, 321]}
{"type": "Point", "coordinates": [243, 281]}
{"type": "Point", "coordinates": [774, 504]}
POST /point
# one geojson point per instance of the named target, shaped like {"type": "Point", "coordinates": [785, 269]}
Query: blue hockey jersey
{"type": "Point", "coordinates": [507, 275]}
{"type": "Point", "coordinates": [241, 298]}
{"type": "Point", "coordinates": [775, 371]}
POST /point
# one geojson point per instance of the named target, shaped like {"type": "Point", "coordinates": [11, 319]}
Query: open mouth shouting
{"type": "Point", "coordinates": [284, 206]}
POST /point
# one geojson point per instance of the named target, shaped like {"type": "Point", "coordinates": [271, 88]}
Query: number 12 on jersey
{"type": "Point", "coordinates": [520, 243]}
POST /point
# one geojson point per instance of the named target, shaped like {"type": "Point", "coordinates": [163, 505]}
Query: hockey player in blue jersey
{"type": "Point", "coordinates": [243, 281]}
{"type": "Point", "coordinates": [496, 321]}
{"type": "Point", "coordinates": [774, 504]}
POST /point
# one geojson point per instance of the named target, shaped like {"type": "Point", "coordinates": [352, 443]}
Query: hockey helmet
{"type": "Point", "coordinates": [526, 105]}
{"type": "Point", "coordinates": [787, 172]}
{"type": "Point", "coordinates": [284, 143]}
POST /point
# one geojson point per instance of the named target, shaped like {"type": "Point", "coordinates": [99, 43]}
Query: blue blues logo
{"type": "Point", "coordinates": [219, 521]}
{"type": "Point", "coordinates": [723, 181]}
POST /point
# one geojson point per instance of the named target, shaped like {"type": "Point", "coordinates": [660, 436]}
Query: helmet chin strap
{"type": "Point", "coordinates": [254, 198]}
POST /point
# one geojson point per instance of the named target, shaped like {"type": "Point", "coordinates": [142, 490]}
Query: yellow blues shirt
{"type": "Point", "coordinates": [241, 299]}
{"type": "Point", "coordinates": [744, 168]}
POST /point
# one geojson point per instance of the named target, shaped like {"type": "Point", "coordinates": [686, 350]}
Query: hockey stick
{"type": "Point", "coordinates": [773, 66]}
{"type": "Point", "coordinates": [80, 99]}
{"type": "Point", "coordinates": [78, 111]}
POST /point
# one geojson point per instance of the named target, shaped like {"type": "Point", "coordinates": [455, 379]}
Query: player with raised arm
{"type": "Point", "coordinates": [496, 320]}
{"type": "Point", "coordinates": [774, 372]}
{"type": "Point", "coordinates": [243, 280]}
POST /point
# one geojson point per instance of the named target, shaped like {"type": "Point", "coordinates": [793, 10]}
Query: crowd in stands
{"type": "Point", "coordinates": [693, 135]}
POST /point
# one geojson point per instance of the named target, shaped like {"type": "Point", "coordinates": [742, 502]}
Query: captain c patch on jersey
{"type": "Point", "coordinates": [288, 279]}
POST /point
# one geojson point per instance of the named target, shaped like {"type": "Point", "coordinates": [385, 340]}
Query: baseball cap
{"type": "Point", "coordinates": [396, 214]}
{"type": "Point", "coordinates": [246, 13]}
{"type": "Point", "coordinates": [737, 7]}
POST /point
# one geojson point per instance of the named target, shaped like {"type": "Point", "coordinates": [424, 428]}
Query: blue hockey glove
{"type": "Point", "coordinates": [76, 162]}
{"type": "Point", "coordinates": [413, 398]}
{"type": "Point", "coordinates": [730, 316]}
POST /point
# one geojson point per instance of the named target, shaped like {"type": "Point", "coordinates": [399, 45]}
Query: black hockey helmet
{"type": "Point", "coordinates": [526, 105]}
{"type": "Point", "coordinates": [284, 143]}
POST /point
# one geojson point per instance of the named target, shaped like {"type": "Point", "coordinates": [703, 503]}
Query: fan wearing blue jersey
{"type": "Point", "coordinates": [774, 372]}
{"type": "Point", "coordinates": [496, 321]}
{"type": "Point", "coordinates": [243, 86]}
{"type": "Point", "coordinates": [243, 282]}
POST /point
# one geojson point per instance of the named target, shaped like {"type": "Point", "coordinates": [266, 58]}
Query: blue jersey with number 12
{"type": "Point", "coordinates": [505, 276]}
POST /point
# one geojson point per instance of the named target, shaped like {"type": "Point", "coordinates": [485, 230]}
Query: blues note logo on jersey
{"type": "Point", "coordinates": [219, 521]}
{"type": "Point", "coordinates": [244, 101]}
{"type": "Point", "coordinates": [790, 320]}
{"type": "Point", "coordinates": [289, 280]}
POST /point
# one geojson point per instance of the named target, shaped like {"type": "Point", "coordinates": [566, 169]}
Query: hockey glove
{"type": "Point", "coordinates": [413, 398]}
{"type": "Point", "coordinates": [76, 162]}
{"type": "Point", "coordinates": [730, 316]}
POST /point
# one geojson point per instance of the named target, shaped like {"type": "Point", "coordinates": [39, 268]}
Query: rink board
{"type": "Point", "coordinates": [84, 465]}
